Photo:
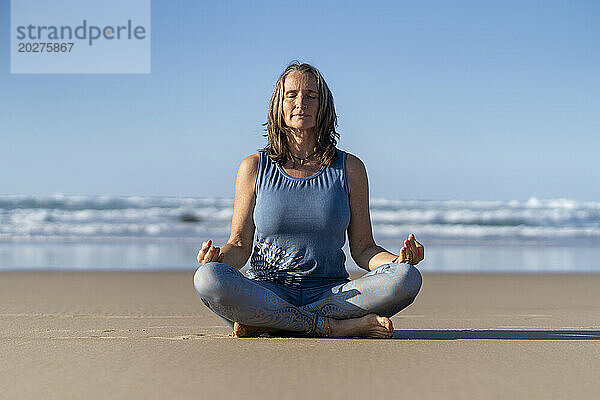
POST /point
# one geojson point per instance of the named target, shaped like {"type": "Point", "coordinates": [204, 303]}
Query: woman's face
{"type": "Point", "coordinates": [300, 100]}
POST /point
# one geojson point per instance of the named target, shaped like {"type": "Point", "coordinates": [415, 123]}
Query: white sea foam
{"type": "Point", "coordinates": [62, 217]}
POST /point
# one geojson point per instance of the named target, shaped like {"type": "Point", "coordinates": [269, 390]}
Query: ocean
{"type": "Point", "coordinates": [155, 233]}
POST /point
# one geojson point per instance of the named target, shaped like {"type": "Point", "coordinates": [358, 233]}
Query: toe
{"type": "Point", "coordinates": [239, 330]}
{"type": "Point", "coordinates": [382, 334]}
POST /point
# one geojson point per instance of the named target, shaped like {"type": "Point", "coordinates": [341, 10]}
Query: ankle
{"type": "Point", "coordinates": [328, 328]}
{"type": "Point", "coordinates": [323, 326]}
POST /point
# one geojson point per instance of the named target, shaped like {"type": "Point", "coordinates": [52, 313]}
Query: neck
{"type": "Point", "coordinates": [301, 143]}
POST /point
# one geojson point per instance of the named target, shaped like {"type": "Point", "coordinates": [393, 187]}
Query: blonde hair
{"type": "Point", "coordinates": [326, 136]}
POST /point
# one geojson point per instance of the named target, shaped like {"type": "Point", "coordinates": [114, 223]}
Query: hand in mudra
{"type": "Point", "coordinates": [412, 252]}
{"type": "Point", "coordinates": [209, 253]}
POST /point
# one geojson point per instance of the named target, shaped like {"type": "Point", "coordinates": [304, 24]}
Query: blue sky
{"type": "Point", "coordinates": [441, 100]}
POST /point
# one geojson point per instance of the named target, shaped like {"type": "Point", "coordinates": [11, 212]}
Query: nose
{"type": "Point", "coordinates": [301, 101]}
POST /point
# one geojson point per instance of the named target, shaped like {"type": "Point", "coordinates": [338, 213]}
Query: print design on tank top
{"type": "Point", "coordinates": [274, 257]}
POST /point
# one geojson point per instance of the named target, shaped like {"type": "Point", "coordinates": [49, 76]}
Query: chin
{"type": "Point", "coordinates": [303, 127]}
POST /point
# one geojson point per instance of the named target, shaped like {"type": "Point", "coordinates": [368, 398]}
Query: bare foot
{"type": "Point", "coordinates": [240, 330]}
{"type": "Point", "coordinates": [371, 326]}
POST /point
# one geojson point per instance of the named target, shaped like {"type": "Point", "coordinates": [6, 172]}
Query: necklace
{"type": "Point", "coordinates": [303, 159]}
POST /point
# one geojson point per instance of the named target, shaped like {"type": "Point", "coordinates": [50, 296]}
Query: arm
{"type": "Point", "coordinates": [363, 249]}
{"type": "Point", "coordinates": [239, 246]}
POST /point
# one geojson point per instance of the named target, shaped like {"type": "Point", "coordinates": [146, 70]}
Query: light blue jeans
{"type": "Point", "coordinates": [228, 293]}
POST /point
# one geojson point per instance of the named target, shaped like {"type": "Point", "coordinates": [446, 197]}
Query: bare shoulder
{"type": "Point", "coordinates": [246, 175]}
{"type": "Point", "coordinates": [249, 165]}
{"type": "Point", "coordinates": [354, 164]}
{"type": "Point", "coordinates": [356, 173]}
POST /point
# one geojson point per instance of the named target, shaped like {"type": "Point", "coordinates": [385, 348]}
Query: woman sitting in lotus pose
{"type": "Point", "coordinates": [294, 201]}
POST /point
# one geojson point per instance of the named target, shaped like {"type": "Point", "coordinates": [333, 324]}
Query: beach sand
{"type": "Point", "coordinates": [133, 335]}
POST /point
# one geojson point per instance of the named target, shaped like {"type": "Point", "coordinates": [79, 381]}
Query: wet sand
{"type": "Point", "coordinates": [123, 335]}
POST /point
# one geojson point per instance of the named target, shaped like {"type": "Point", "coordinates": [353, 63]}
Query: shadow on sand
{"type": "Point", "coordinates": [495, 334]}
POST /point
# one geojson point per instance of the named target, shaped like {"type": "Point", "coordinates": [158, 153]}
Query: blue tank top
{"type": "Point", "coordinates": [300, 225]}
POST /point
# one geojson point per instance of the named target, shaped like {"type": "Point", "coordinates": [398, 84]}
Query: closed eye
{"type": "Point", "coordinates": [292, 94]}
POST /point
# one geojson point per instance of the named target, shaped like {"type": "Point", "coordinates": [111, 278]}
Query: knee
{"type": "Point", "coordinates": [408, 282]}
{"type": "Point", "coordinates": [208, 280]}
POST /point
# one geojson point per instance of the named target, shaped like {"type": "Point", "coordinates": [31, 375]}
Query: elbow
{"type": "Point", "coordinates": [358, 252]}
{"type": "Point", "coordinates": [355, 254]}
{"type": "Point", "coordinates": [362, 255]}
{"type": "Point", "coordinates": [355, 258]}
{"type": "Point", "coordinates": [359, 259]}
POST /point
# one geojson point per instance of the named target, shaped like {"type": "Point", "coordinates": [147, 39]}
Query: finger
{"type": "Point", "coordinates": [412, 242]}
{"type": "Point", "coordinates": [412, 258]}
{"type": "Point", "coordinates": [410, 255]}
{"type": "Point", "coordinates": [420, 250]}
{"type": "Point", "coordinates": [400, 257]}
{"type": "Point", "coordinates": [201, 255]}
{"type": "Point", "coordinates": [403, 255]}
{"type": "Point", "coordinates": [407, 255]}
{"type": "Point", "coordinates": [417, 250]}
{"type": "Point", "coordinates": [203, 250]}
{"type": "Point", "coordinates": [216, 252]}
{"type": "Point", "coordinates": [413, 250]}
{"type": "Point", "coordinates": [409, 245]}
{"type": "Point", "coordinates": [212, 250]}
{"type": "Point", "coordinates": [208, 256]}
